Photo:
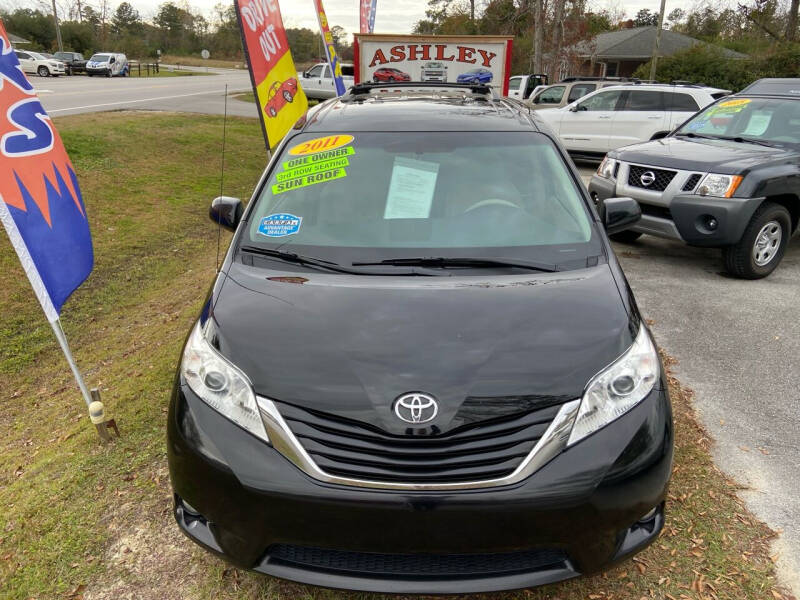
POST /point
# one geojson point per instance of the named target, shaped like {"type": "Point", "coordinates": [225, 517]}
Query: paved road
{"type": "Point", "coordinates": [203, 94]}
{"type": "Point", "coordinates": [738, 344]}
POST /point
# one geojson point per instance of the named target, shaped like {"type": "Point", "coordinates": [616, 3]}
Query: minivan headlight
{"type": "Point", "coordinates": [607, 168]}
{"type": "Point", "coordinates": [220, 384]}
{"type": "Point", "coordinates": [618, 388]}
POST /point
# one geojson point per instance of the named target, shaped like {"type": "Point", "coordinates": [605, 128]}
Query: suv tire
{"type": "Point", "coordinates": [626, 237]}
{"type": "Point", "coordinates": [43, 71]}
{"type": "Point", "coordinates": [763, 243]}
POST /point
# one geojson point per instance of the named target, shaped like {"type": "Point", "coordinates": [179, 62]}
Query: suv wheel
{"type": "Point", "coordinates": [762, 245]}
{"type": "Point", "coordinates": [626, 237]}
{"type": "Point", "coordinates": [43, 71]}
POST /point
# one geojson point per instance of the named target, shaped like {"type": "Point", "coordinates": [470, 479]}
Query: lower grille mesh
{"type": "Point", "coordinates": [438, 565]}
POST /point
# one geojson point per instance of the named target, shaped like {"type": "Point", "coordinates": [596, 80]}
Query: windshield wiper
{"type": "Point", "coordinates": [691, 134]}
{"type": "Point", "coordinates": [319, 263]}
{"type": "Point", "coordinates": [745, 140]}
{"type": "Point", "coordinates": [475, 263]}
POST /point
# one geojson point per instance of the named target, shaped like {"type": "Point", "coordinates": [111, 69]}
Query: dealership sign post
{"type": "Point", "coordinates": [436, 58]}
{"type": "Point", "coordinates": [278, 93]}
{"type": "Point", "coordinates": [330, 50]}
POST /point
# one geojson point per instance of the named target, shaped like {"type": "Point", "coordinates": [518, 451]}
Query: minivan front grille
{"type": "Point", "coordinates": [489, 449]}
{"type": "Point", "coordinates": [660, 178]}
{"type": "Point", "coordinates": [417, 565]}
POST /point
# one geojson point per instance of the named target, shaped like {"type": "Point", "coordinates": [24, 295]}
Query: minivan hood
{"type": "Point", "coordinates": [350, 345]}
{"type": "Point", "coordinates": [701, 155]}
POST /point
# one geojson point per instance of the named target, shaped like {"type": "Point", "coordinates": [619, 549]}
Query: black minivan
{"type": "Point", "coordinates": [420, 368]}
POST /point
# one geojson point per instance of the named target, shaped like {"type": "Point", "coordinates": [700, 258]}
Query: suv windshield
{"type": "Point", "coordinates": [765, 119]}
{"type": "Point", "coordinates": [376, 195]}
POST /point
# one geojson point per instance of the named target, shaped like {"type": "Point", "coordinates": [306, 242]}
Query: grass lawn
{"type": "Point", "coordinates": [199, 61]}
{"type": "Point", "coordinates": [81, 520]}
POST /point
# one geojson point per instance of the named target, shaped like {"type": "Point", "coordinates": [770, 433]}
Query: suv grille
{"type": "Point", "coordinates": [420, 565]}
{"type": "Point", "coordinates": [691, 182]}
{"type": "Point", "coordinates": [475, 452]}
{"type": "Point", "coordinates": [662, 178]}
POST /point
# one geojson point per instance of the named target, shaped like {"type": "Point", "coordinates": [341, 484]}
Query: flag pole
{"type": "Point", "coordinates": [62, 340]}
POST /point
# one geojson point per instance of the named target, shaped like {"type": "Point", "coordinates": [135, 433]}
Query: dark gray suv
{"type": "Point", "coordinates": [729, 177]}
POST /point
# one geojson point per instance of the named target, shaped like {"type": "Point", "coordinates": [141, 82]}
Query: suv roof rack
{"type": "Point", "coordinates": [361, 89]}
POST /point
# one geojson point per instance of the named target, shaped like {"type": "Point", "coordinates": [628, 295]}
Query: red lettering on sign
{"type": "Point", "coordinates": [465, 54]}
{"type": "Point", "coordinates": [398, 54]}
{"type": "Point", "coordinates": [379, 58]}
{"type": "Point", "coordinates": [414, 52]}
{"type": "Point", "coordinates": [487, 57]}
{"type": "Point", "coordinates": [440, 48]}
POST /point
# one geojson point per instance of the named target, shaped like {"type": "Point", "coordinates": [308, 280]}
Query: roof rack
{"type": "Point", "coordinates": [368, 87]}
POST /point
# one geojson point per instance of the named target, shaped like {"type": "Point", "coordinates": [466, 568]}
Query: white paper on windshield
{"type": "Point", "coordinates": [758, 124]}
{"type": "Point", "coordinates": [411, 189]}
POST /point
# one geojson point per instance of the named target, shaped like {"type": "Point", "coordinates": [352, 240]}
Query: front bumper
{"type": "Point", "coordinates": [687, 216]}
{"type": "Point", "coordinates": [580, 513]}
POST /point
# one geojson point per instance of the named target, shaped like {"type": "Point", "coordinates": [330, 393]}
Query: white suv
{"type": "Point", "coordinates": [33, 62]}
{"type": "Point", "coordinates": [626, 114]}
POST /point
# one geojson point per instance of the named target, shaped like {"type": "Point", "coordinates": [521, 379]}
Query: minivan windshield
{"type": "Point", "coordinates": [770, 120]}
{"type": "Point", "coordinates": [100, 58]}
{"type": "Point", "coordinates": [389, 195]}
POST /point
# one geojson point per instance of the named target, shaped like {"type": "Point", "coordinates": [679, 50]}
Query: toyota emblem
{"type": "Point", "coordinates": [647, 178]}
{"type": "Point", "coordinates": [416, 408]}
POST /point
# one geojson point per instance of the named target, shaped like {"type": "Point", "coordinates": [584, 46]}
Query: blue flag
{"type": "Point", "coordinates": [41, 206]}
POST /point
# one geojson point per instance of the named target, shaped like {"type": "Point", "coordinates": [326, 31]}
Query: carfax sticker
{"type": "Point", "coordinates": [329, 142]}
{"type": "Point", "coordinates": [306, 180]}
{"type": "Point", "coordinates": [279, 225]}
{"type": "Point", "coordinates": [316, 167]}
{"type": "Point", "coordinates": [736, 102]}
{"type": "Point", "coordinates": [321, 157]}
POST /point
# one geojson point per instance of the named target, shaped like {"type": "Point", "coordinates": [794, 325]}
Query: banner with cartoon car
{"type": "Point", "coordinates": [333, 58]}
{"type": "Point", "coordinates": [472, 59]}
{"type": "Point", "coordinates": [272, 71]}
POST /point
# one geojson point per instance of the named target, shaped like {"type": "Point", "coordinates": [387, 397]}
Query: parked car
{"type": "Point", "coordinates": [567, 91]}
{"type": "Point", "coordinates": [479, 75]}
{"type": "Point", "coordinates": [522, 86]}
{"type": "Point", "coordinates": [728, 178]}
{"type": "Point", "coordinates": [280, 94]}
{"type": "Point", "coordinates": [109, 64]}
{"type": "Point", "coordinates": [420, 368]}
{"type": "Point", "coordinates": [74, 61]}
{"type": "Point", "coordinates": [626, 114]}
{"type": "Point", "coordinates": [33, 62]}
{"type": "Point", "coordinates": [318, 81]}
{"type": "Point", "coordinates": [389, 74]}
{"type": "Point", "coordinates": [433, 71]}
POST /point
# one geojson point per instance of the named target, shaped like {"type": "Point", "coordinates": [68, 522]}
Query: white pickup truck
{"type": "Point", "coordinates": [317, 82]}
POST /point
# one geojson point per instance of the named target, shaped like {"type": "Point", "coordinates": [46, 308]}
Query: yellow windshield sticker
{"type": "Point", "coordinates": [330, 142]}
{"type": "Point", "coordinates": [322, 156]}
{"type": "Point", "coordinates": [307, 180]}
{"type": "Point", "coordinates": [316, 167]}
{"type": "Point", "coordinates": [737, 102]}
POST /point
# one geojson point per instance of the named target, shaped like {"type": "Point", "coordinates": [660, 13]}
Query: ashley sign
{"type": "Point", "coordinates": [464, 59]}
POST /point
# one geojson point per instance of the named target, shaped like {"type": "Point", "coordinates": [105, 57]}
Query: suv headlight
{"type": "Point", "coordinates": [220, 384]}
{"type": "Point", "coordinates": [607, 168]}
{"type": "Point", "coordinates": [618, 388]}
{"type": "Point", "coordinates": [721, 186]}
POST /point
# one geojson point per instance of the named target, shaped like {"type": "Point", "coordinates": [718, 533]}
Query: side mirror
{"type": "Point", "coordinates": [619, 214]}
{"type": "Point", "coordinates": [574, 108]}
{"type": "Point", "coordinates": [660, 135]}
{"type": "Point", "coordinates": [226, 211]}
{"type": "Point", "coordinates": [306, 75]}
{"type": "Point", "coordinates": [112, 61]}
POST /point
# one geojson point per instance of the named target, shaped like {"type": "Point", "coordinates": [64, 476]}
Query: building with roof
{"type": "Point", "coordinates": [619, 53]}
{"type": "Point", "coordinates": [16, 40]}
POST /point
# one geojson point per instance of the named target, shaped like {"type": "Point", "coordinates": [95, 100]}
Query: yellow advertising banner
{"type": "Point", "coordinates": [277, 89]}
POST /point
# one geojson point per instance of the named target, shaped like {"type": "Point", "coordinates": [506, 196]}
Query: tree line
{"type": "Point", "coordinates": [174, 30]}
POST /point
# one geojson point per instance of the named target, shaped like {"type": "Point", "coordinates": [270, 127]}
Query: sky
{"type": "Point", "coordinates": [392, 16]}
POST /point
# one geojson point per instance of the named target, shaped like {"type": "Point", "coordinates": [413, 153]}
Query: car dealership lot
{"type": "Point", "coordinates": [79, 94]}
{"type": "Point", "coordinates": [737, 344]}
